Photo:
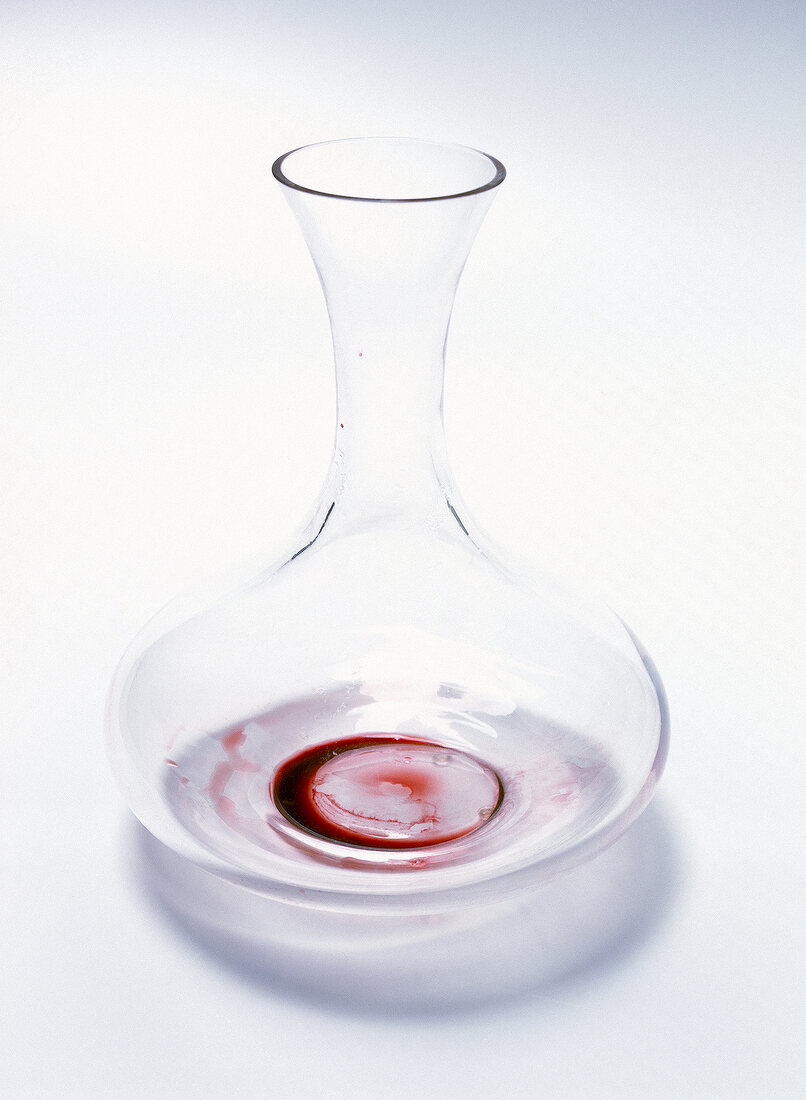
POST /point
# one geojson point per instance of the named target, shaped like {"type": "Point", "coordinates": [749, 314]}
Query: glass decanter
{"type": "Point", "coordinates": [388, 717]}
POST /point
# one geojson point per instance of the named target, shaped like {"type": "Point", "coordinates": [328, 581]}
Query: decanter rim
{"type": "Point", "coordinates": [496, 179]}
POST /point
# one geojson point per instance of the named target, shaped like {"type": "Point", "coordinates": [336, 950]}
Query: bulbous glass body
{"type": "Point", "coordinates": [389, 717]}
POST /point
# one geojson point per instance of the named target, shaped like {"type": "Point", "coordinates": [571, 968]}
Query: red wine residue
{"type": "Point", "coordinates": [225, 770]}
{"type": "Point", "coordinates": [378, 791]}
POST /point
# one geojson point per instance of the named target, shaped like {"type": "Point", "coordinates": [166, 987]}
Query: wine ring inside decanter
{"type": "Point", "coordinates": [387, 792]}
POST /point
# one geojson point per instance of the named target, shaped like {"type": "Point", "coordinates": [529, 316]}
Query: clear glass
{"type": "Point", "coordinates": [389, 717]}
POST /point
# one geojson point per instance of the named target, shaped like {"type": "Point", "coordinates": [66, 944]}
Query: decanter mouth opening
{"type": "Point", "coordinates": [399, 170]}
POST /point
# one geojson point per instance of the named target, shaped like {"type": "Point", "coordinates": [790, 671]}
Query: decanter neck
{"type": "Point", "coordinates": [389, 271]}
{"type": "Point", "coordinates": [389, 376]}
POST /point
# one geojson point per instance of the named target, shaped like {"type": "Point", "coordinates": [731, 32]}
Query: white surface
{"type": "Point", "coordinates": [625, 402]}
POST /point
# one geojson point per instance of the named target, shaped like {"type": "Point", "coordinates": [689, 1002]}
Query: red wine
{"type": "Point", "coordinates": [377, 791]}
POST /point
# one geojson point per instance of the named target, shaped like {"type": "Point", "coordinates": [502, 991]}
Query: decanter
{"type": "Point", "coordinates": [389, 717]}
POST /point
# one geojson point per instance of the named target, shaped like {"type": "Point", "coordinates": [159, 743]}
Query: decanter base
{"type": "Point", "coordinates": [302, 787]}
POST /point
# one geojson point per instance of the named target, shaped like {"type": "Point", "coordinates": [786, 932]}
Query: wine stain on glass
{"type": "Point", "coordinates": [386, 792]}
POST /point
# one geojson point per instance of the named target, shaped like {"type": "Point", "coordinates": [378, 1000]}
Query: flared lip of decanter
{"type": "Point", "coordinates": [497, 178]}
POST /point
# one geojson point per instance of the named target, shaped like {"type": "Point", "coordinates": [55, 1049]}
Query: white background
{"type": "Point", "coordinates": [625, 403]}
